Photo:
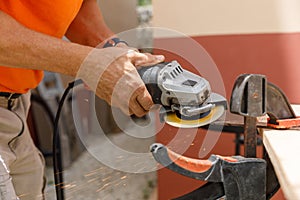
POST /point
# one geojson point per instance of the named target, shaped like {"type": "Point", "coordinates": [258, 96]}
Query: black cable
{"type": "Point", "coordinates": [57, 156]}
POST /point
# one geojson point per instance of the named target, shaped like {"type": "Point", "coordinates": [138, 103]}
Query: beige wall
{"type": "Point", "coordinates": [120, 15]}
{"type": "Point", "coordinates": [210, 17]}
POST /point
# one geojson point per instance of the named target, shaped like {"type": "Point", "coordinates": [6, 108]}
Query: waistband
{"type": "Point", "coordinates": [10, 95]}
{"type": "Point", "coordinates": [7, 99]}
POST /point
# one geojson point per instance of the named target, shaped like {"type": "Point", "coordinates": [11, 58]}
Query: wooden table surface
{"type": "Point", "coordinates": [283, 147]}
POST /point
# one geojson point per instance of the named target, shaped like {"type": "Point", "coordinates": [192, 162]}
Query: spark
{"type": "Point", "coordinates": [91, 180]}
{"type": "Point", "coordinates": [93, 172]}
{"type": "Point", "coordinates": [107, 178]}
{"type": "Point", "coordinates": [90, 174]}
{"type": "Point", "coordinates": [69, 186]}
{"type": "Point", "coordinates": [104, 186]}
{"type": "Point", "coordinates": [59, 184]}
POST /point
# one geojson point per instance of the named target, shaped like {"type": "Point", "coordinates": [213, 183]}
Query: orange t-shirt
{"type": "Point", "coordinates": [51, 17]}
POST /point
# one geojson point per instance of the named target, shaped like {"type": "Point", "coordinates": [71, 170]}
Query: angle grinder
{"type": "Point", "coordinates": [186, 98]}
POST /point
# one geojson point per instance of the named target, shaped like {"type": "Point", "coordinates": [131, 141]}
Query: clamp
{"type": "Point", "coordinates": [235, 177]}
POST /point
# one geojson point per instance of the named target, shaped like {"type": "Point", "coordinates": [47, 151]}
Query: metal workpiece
{"type": "Point", "coordinates": [281, 115]}
{"type": "Point", "coordinates": [278, 105]}
{"type": "Point", "coordinates": [236, 177]}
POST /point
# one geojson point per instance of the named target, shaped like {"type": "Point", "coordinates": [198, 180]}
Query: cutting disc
{"type": "Point", "coordinates": [173, 120]}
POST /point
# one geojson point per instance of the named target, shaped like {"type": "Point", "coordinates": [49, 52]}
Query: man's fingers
{"type": "Point", "coordinates": [140, 102]}
{"type": "Point", "coordinates": [145, 100]}
{"type": "Point", "coordinates": [133, 108]}
{"type": "Point", "coordinates": [137, 109]}
{"type": "Point", "coordinates": [144, 59]}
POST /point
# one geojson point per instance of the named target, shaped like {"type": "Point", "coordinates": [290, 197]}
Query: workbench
{"type": "Point", "coordinates": [284, 151]}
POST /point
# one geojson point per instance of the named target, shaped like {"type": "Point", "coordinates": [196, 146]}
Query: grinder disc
{"type": "Point", "coordinates": [173, 120]}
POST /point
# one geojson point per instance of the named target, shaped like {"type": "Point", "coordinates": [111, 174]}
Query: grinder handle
{"type": "Point", "coordinates": [149, 75]}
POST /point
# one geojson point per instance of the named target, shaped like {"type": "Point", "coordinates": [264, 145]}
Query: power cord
{"type": "Point", "coordinates": [57, 156]}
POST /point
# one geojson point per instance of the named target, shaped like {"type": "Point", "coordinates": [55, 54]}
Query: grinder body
{"type": "Point", "coordinates": [179, 91]}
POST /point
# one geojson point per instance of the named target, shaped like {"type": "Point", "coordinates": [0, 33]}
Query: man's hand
{"type": "Point", "coordinates": [119, 84]}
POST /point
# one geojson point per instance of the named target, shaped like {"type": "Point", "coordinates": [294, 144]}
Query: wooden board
{"type": "Point", "coordinates": [283, 147]}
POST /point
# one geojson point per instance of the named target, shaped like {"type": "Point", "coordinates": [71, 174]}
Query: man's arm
{"type": "Point", "coordinates": [25, 48]}
{"type": "Point", "coordinates": [89, 27]}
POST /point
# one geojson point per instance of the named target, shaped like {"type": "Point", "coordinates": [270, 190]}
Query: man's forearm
{"type": "Point", "coordinates": [24, 48]}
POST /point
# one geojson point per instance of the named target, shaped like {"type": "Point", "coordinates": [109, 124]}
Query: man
{"type": "Point", "coordinates": [30, 33]}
